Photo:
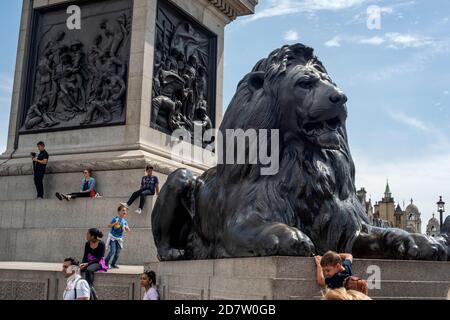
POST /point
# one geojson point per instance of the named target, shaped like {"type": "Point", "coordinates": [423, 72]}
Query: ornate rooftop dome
{"type": "Point", "coordinates": [412, 208]}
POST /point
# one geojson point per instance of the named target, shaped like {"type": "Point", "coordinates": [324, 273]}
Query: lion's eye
{"type": "Point", "coordinates": [307, 84]}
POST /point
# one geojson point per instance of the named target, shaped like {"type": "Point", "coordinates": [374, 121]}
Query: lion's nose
{"type": "Point", "coordinates": [338, 97]}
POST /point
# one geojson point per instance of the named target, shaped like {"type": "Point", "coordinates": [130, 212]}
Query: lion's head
{"type": "Point", "coordinates": [291, 91]}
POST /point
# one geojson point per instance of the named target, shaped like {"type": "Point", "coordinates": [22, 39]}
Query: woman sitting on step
{"type": "Point", "coordinates": [87, 188]}
{"type": "Point", "coordinates": [93, 258]}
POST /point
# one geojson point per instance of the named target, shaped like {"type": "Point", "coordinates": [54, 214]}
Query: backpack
{"type": "Point", "coordinates": [92, 291]}
{"type": "Point", "coordinates": [357, 284]}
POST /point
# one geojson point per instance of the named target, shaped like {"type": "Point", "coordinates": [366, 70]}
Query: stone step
{"type": "Point", "coordinates": [113, 183]}
{"type": "Point", "coordinates": [286, 288]}
{"type": "Point", "coordinates": [55, 244]}
{"type": "Point", "coordinates": [294, 278]}
{"type": "Point", "coordinates": [299, 267]}
{"type": "Point", "coordinates": [45, 281]}
{"type": "Point", "coordinates": [283, 289]}
{"type": "Point", "coordinates": [78, 213]}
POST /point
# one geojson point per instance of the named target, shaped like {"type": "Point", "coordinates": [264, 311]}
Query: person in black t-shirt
{"type": "Point", "coordinates": [333, 269]}
{"type": "Point", "coordinates": [40, 162]}
{"type": "Point", "coordinates": [149, 186]}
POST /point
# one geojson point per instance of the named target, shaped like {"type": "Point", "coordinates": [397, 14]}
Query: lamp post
{"type": "Point", "coordinates": [440, 205]}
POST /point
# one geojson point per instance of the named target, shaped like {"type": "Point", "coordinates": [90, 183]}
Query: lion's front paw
{"type": "Point", "coordinates": [170, 254]}
{"type": "Point", "coordinates": [430, 248]}
{"type": "Point", "coordinates": [400, 245]}
{"type": "Point", "coordinates": [280, 239]}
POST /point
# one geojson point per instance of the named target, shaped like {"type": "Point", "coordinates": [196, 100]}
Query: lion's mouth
{"type": "Point", "coordinates": [315, 127]}
{"type": "Point", "coordinates": [324, 133]}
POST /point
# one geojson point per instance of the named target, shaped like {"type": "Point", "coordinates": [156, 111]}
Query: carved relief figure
{"type": "Point", "coordinates": [38, 115]}
{"type": "Point", "coordinates": [81, 82]}
{"type": "Point", "coordinates": [180, 78]}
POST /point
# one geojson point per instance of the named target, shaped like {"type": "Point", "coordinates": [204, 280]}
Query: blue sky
{"type": "Point", "coordinates": [397, 80]}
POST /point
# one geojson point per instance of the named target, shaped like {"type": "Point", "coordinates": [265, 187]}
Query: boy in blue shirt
{"type": "Point", "coordinates": [115, 238]}
{"type": "Point", "coordinates": [333, 269]}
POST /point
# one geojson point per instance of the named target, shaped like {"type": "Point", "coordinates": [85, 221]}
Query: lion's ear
{"type": "Point", "coordinates": [255, 81]}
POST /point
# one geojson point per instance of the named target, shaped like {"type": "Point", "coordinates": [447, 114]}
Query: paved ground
{"type": "Point", "coordinates": [38, 266]}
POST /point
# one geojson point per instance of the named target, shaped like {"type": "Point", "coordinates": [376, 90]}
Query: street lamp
{"type": "Point", "coordinates": [440, 205]}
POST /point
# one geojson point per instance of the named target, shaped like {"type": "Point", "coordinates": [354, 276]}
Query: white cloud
{"type": "Point", "coordinates": [393, 40]}
{"type": "Point", "coordinates": [416, 63]}
{"type": "Point", "coordinates": [387, 10]}
{"type": "Point", "coordinates": [6, 83]}
{"type": "Point", "coordinates": [287, 7]}
{"type": "Point", "coordinates": [291, 35]}
{"type": "Point", "coordinates": [438, 140]}
{"type": "Point", "coordinates": [375, 41]}
{"type": "Point", "coordinates": [398, 40]}
{"type": "Point", "coordinates": [335, 42]}
{"type": "Point", "coordinates": [410, 121]}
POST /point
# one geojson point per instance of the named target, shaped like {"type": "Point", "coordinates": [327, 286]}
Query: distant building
{"type": "Point", "coordinates": [412, 222]}
{"type": "Point", "coordinates": [367, 205]}
{"type": "Point", "coordinates": [433, 227]}
{"type": "Point", "coordinates": [386, 214]}
{"type": "Point", "coordinates": [384, 210]}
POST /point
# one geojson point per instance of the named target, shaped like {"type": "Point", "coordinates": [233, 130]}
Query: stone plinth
{"type": "Point", "coordinates": [286, 278]}
{"type": "Point", "coordinates": [45, 281]}
{"type": "Point", "coordinates": [117, 149]}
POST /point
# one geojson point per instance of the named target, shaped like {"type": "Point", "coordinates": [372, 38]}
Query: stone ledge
{"type": "Point", "coordinates": [47, 266]}
{"type": "Point", "coordinates": [45, 281]}
{"type": "Point", "coordinates": [294, 278]}
{"type": "Point", "coordinates": [235, 8]}
{"type": "Point", "coordinates": [39, 245]}
{"type": "Point", "coordinates": [98, 162]}
{"type": "Point", "coordinates": [79, 213]}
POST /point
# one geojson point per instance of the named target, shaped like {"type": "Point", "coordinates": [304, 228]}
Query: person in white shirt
{"type": "Point", "coordinates": [76, 288]}
{"type": "Point", "coordinates": [148, 282]}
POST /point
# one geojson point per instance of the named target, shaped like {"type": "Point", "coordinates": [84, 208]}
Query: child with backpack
{"type": "Point", "coordinates": [335, 271]}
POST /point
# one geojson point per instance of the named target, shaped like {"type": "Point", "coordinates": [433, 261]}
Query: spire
{"type": "Point", "coordinates": [387, 191]}
{"type": "Point", "coordinates": [411, 200]}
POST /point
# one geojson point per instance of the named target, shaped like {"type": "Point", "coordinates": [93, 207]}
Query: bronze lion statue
{"type": "Point", "coordinates": [308, 207]}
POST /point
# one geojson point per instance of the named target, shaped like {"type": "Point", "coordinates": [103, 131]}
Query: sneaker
{"type": "Point", "coordinates": [109, 266]}
{"type": "Point", "coordinates": [125, 205]}
{"type": "Point", "coordinates": [65, 196]}
{"type": "Point", "coordinates": [59, 196]}
{"type": "Point", "coordinates": [115, 267]}
{"type": "Point", "coordinates": [139, 211]}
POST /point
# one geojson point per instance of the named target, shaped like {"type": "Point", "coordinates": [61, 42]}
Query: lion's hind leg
{"type": "Point", "coordinates": [171, 216]}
